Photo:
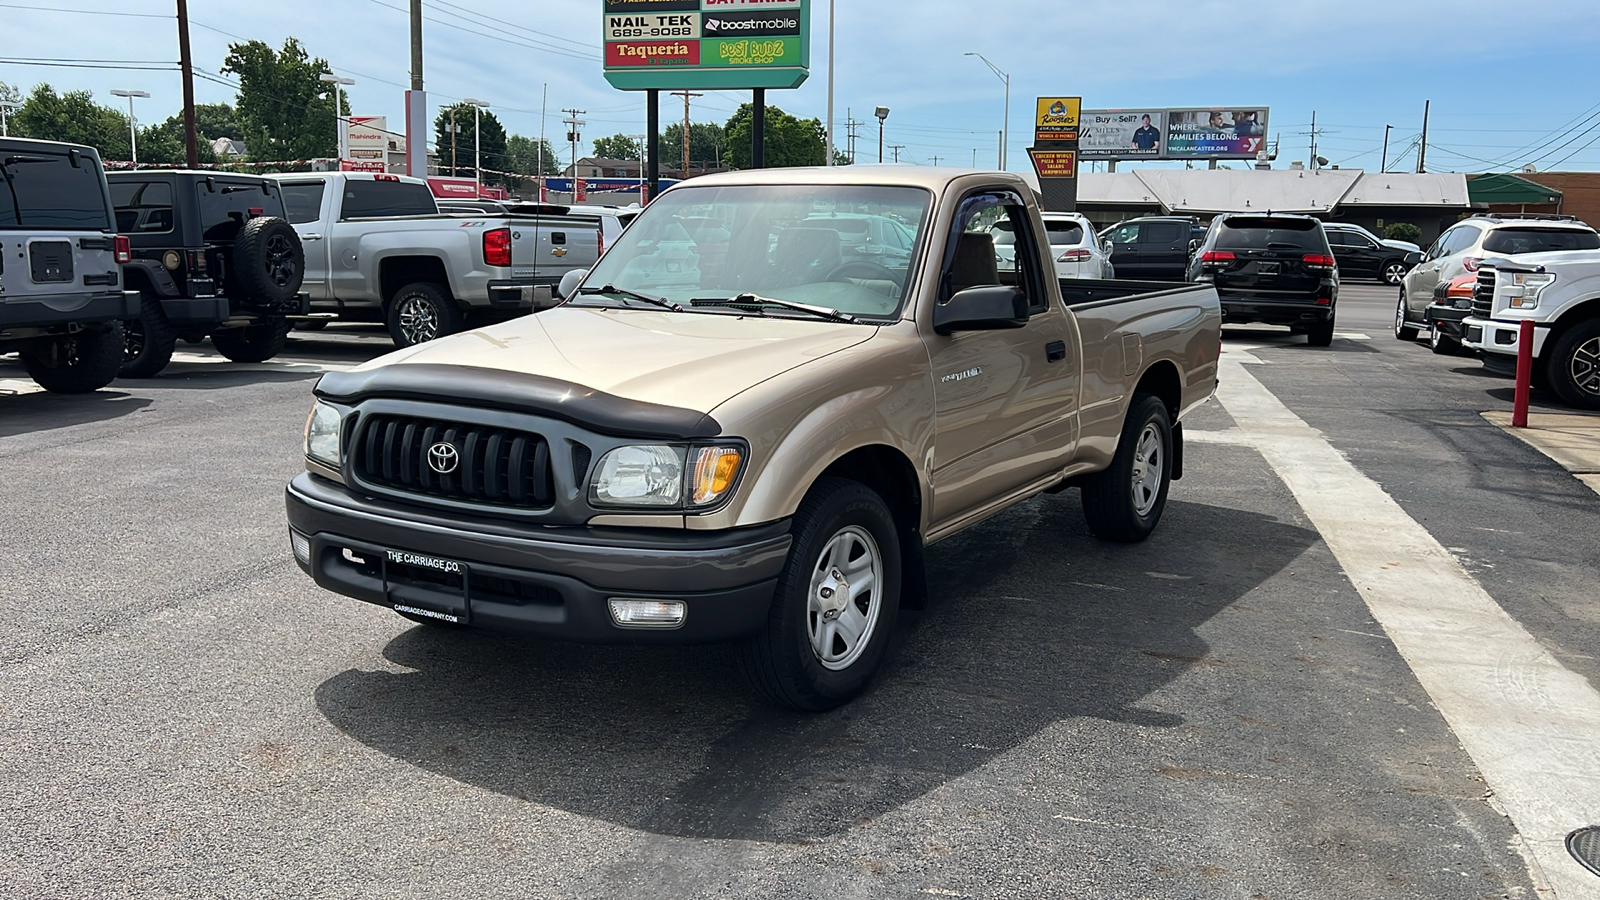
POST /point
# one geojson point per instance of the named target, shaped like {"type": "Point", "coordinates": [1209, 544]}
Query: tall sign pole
{"type": "Point", "coordinates": [191, 144]}
{"type": "Point", "coordinates": [416, 103]}
{"type": "Point", "coordinates": [1055, 151]}
{"type": "Point", "coordinates": [653, 127]}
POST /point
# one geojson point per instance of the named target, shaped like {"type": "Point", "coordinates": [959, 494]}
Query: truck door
{"type": "Point", "coordinates": [1125, 256]}
{"type": "Point", "coordinates": [302, 202]}
{"type": "Point", "coordinates": [1005, 401]}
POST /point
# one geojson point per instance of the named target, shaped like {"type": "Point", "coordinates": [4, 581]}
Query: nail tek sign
{"type": "Point", "coordinates": [708, 44]}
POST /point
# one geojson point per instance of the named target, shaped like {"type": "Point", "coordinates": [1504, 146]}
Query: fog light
{"type": "Point", "coordinates": [301, 545]}
{"type": "Point", "coordinates": [647, 613]}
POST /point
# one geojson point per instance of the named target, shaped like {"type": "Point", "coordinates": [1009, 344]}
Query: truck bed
{"type": "Point", "coordinates": [1079, 292]}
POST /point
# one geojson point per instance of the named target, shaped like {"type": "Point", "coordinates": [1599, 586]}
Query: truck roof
{"type": "Point", "coordinates": [930, 177]}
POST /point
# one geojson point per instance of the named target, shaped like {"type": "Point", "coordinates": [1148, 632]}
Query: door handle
{"type": "Point", "coordinates": [310, 237]}
{"type": "Point", "coordinates": [1055, 351]}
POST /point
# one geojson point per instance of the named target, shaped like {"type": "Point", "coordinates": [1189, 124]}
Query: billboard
{"type": "Point", "coordinates": [1223, 132]}
{"type": "Point", "coordinates": [1056, 119]}
{"type": "Point", "coordinates": [706, 44]}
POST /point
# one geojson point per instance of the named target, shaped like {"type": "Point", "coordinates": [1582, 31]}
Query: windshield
{"type": "Point", "coordinates": [1538, 240]}
{"type": "Point", "coordinates": [835, 246]}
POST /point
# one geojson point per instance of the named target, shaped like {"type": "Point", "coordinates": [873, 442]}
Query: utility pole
{"type": "Point", "coordinates": [416, 103]}
{"type": "Point", "coordinates": [1422, 151]}
{"type": "Point", "coordinates": [453, 172]}
{"type": "Point", "coordinates": [828, 149]}
{"type": "Point", "coordinates": [574, 123]}
{"type": "Point", "coordinates": [936, 160]}
{"type": "Point", "coordinates": [191, 145]}
{"type": "Point", "coordinates": [897, 148]}
{"type": "Point", "coordinates": [1384, 165]}
{"type": "Point", "coordinates": [687, 96]}
{"type": "Point", "coordinates": [1313, 139]}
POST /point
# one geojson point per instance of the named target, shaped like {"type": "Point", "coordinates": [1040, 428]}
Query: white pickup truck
{"type": "Point", "coordinates": [1559, 292]}
{"type": "Point", "coordinates": [377, 248]}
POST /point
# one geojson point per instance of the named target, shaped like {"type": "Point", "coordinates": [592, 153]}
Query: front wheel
{"type": "Point", "coordinates": [1320, 334]}
{"type": "Point", "coordinates": [1574, 368]}
{"type": "Point", "coordinates": [1403, 330]}
{"type": "Point", "coordinates": [1124, 502]}
{"type": "Point", "coordinates": [422, 312]}
{"type": "Point", "coordinates": [1441, 343]}
{"type": "Point", "coordinates": [77, 363]}
{"type": "Point", "coordinates": [1394, 272]}
{"type": "Point", "coordinates": [253, 343]}
{"type": "Point", "coordinates": [836, 601]}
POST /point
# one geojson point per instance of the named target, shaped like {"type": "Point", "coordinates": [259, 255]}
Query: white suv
{"type": "Point", "coordinates": [1467, 243]}
{"type": "Point", "coordinates": [1075, 249]}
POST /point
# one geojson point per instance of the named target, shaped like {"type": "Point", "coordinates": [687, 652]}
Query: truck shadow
{"type": "Point", "coordinates": [1031, 622]}
{"type": "Point", "coordinates": [43, 411]}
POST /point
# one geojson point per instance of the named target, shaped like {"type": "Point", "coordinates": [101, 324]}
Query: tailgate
{"type": "Point", "coordinates": [565, 243]}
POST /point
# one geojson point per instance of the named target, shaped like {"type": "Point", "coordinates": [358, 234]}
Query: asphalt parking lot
{"type": "Point", "coordinates": [1243, 707]}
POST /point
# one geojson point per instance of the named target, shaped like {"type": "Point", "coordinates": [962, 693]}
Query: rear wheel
{"type": "Point", "coordinates": [1403, 330]}
{"type": "Point", "coordinates": [1124, 502]}
{"type": "Point", "coordinates": [1320, 334]}
{"type": "Point", "coordinates": [422, 312]}
{"type": "Point", "coordinates": [77, 363]}
{"type": "Point", "coordinates": [836, 601]}
{"type": "Point", "coordinates": [1574, 368]}
{"type": "Point", "coordinates": [147, 341]}
{"type": "Point", "coordinates": [1393, 272]}
{"type": "Point", "coordinates": [253, 343]}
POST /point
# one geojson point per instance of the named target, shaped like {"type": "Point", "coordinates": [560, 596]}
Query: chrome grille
{"type": "Point", "coordinates": [494, 466]}
{"type": "Point", "coordinates": [1483, 294]}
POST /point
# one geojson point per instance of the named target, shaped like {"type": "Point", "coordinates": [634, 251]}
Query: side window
{"type": "Point", "coordinates": [371, 199]}
{"type": "Point", "coordinates": [143, 207]}
{"type": "Point", "coordinates": [977, 260]}
{"type": "Point", "coordinates": [1163, 233]}
{"type": "Point", "coordinates": [1338, 239]}
{"type": "Point", "coordinates": [1461, 238]}
{"type": "Point", "coordinates": [303, 201]}
{"type": "Point", "coordinates": [1436, 249]}
{"type": "Point", "coordinates": [1127, 234]}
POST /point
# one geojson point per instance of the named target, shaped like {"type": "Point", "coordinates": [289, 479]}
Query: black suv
{"type": "Point", "coordinates": [213, 256]}
{"type": "Point", "coordinates": [1152, 248]}
{"type": "Point", "coordinates": [1274, 268]}
{"type": "Point", "coordinates": [1361, 256]}
{"type": "Point", "coordinates": [61, 297]}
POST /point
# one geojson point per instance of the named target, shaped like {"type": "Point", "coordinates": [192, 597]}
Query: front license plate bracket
{"type": "Point", "coordinates": [429, 586]}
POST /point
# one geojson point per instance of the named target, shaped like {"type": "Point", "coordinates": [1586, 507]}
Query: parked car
{"type": "Point", "coordinates": [62, 300]}
{"type": "Point", "coordinates": [1074, 247]}
{"type": "Point", "coordinates": [1362, 255]}
{"type": "Point", "coordinates": [213, 256]}
{"type": "Point", "coordinates": [1331, 227]}
{"type": "Point", "coordinates": [1154, 248]}
{"type": "Point", "coordinates": [1466, 244]}
{"type": "Point", "coordinates": [378, 248]}
{"type": "Point", "coordinates": [1452, 304]}
{"type": "Point", "coordinates": [1277, 269]}
{"type": "Point", "coordinates": [759, 454]}
{"type": "Point", "coordinates": [1560, 294]}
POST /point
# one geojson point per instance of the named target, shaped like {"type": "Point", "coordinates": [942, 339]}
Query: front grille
{"type": "Point", "coordinates": [493, 466]}
{"type": "Point", "coordinates": [1483, 294]}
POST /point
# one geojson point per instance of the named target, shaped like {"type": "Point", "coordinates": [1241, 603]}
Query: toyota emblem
{"type": "Point", "coordinates": [443, 458]}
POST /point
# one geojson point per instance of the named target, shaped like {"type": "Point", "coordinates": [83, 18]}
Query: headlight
{"type": "Point", "coordinates": [1525, 288]}
{"type": "Point", "coordinates": [322, 434]}
{"type": "Point", "coordinates": [665, 476]}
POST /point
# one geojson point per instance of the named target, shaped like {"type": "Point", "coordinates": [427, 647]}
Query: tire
{"type": "Point", "coordinates": [1124, 502]}
{"type": "Point", "coordinates": [802, 658]}
{"type": "Point", "coordinates": [1320, 334]}
{"type": "Point", "coordinates": [1402, 329]}
{"type": "Point", "coordinates": [1574, 367]}
{"type": "Point", "coordinates": [422, 312]}
{"type": "Point", "coordinates": [1442, 344]}
{"type": "Point", "coordinates": [268, 261]}
{"type": "Point", "coordinates": [253, 343]}
{"type": "Point", "coordinates": [148, 341]}
{"type": "Point", "coordinates": [1393, 271]}
{"type": "Point", "coordinates": [78, 363]}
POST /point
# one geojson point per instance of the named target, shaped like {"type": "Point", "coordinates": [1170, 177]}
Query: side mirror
{"type": "Point", "coordinates": [988, 308]}
{"type": "Point", "coordinates": [1193, 246]}
{"type": "Point", "coordinates": [1413, 257]}
{"type": "Point", "coordinates": [569, 283]}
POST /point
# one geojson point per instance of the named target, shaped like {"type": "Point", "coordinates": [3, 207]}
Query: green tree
{"type": "Point", "coordinates": [73, 117]}
{"type": "Point", "coordinates": [528, 156]}
{"type": "Point", "coordinates": [10, 93]}
{"type": "Point", "coordinates": [617, 146]}
{"type": "Point", "coordinates": [708, 143]}
{"type": "Point", "coordinates": [460, 144]}
{"type": "Point", "coordinates": [283, 108]}
{"type": "Point", "coordinates": [789, 141]}
{"type": "Point", "coordinates": [1402, 231]}
{"type": "Point", "coordinates": [163, 145]}
{"type": "Point", "coordinates": [217, 120]}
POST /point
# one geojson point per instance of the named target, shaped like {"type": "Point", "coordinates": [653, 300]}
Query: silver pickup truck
{"type": "Point", "coordinates": [734, 429]}
{"type": "Point", "coordinates": [377, 247]}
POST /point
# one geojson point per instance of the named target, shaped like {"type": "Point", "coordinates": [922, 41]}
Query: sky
{"type": "Point", "coordinates": [1503, 93]}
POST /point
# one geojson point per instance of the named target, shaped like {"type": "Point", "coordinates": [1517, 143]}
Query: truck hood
{"type": "Point", "coordinates": [686, 360]}
{"type": "Point", "coordinates": [1562, 258]}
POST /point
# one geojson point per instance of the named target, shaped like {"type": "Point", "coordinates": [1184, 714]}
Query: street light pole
{"type": "Point", "coordinates": [882, 113]}
{"type": "Point", "coordinates": [341, 134]}
{"type": "Point", "coordinates": [133, 125]}
{"type": "Point", "coordinates": [6, 107]}
{"type": "Point", "coordinates": [1005, 135]}
{"type": "Point", "coordinates": [828, 150]}
{"type": "Point", "coordinates": [1384, 166]}
{"type": "Point", "coordinates": [477, 143]}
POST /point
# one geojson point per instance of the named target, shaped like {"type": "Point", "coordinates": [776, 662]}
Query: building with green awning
{"type": "Point", "coordinates": [1505, 190]}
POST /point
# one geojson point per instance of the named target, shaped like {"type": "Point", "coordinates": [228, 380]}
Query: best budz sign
{"type": "Point", "coordinates": [709, 44]}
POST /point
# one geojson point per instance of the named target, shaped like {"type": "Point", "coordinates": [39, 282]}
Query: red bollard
{"type": "Point", "coordinates": [1519, 410]}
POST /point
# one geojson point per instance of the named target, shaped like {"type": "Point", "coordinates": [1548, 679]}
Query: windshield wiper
{"type": "Point", "coordinates": [756, 302]}
{"type": "Point", "coordinates": [662, 302]}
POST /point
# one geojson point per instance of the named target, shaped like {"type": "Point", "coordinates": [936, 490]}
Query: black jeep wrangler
{"type": "Point", "coordinates": [213, 257]}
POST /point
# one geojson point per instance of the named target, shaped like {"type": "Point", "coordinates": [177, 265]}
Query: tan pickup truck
{"type": "Point", "coordinates": [748, 420]}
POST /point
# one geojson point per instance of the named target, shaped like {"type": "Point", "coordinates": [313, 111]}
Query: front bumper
{"type": "Point", "coordinates": [551, 581]}
{"type": "Point", "coordinates": [1447, 319]}
{"type": "Point", "coordinates": [1499, 336]}
{"type": "Point", "coordinates": [46, 310]}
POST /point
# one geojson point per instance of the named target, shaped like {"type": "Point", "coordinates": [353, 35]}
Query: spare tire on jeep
{"type": "Point", "coordinates": [268, 261]}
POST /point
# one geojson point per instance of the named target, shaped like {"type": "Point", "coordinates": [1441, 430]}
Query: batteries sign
{"type": "Point", "coordinates": [706, 44]}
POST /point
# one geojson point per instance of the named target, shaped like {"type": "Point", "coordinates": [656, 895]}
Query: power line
{"type": "Point", "coordinates": [565, 40]}
{"type": "Point", "coordinates": [85, 12]}
{"type": "Point", "coordinates": [523, 43]}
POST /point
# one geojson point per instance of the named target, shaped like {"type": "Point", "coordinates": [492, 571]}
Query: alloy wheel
{"type": "Point", "coordinates": [419, 321]}
{"type": "Point", "coordinates": [280, 260]}
{"type": "Point", "coordinates": [1585, 366]}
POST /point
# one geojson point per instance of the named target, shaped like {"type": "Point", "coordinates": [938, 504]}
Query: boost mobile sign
{"type": "Point", "coordinates": [706, 44]}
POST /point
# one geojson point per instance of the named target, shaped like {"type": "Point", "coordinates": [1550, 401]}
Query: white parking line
{"type": "Point", "coordinates": [1531, 726]}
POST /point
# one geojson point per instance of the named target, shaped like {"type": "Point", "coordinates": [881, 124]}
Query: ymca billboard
{"type": "Point", "coordinates": [706, 44]}
{"type": "Point", "coordinates": [1221, 132]}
